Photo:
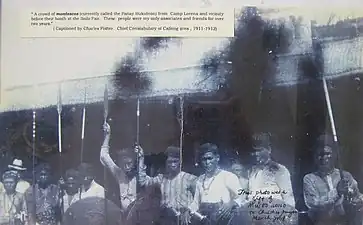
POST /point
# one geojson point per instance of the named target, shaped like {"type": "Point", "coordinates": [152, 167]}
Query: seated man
{"type": "Point", "coordinates": [331, 195]}
{"type": "Point", "coordinates": [13, 209]}
{"type": "Point", "coordinates": [217, 191]}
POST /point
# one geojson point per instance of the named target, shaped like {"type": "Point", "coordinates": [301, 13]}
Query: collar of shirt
{"type": "Point", "coordinates": [92, 185]}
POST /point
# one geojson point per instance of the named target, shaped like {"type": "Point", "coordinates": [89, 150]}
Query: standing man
{"type": "Point", "coordinates": [89, 188]}
{"type": "Point", "coordinates": [268, 175]}
{"type": "Point", "coordinates": [17, 168]}
{"type": "Point", "coordinates": [46, 209]}
{"type": "Point", "coordinates": [72, 188]}
{"type": "Point", "coordinates": [332, 196]}
{"type": "Point", "coordinates": [125, 174]}
{"type": "Point", "coordinates": [13, 209]}
{"type": "Point", "coordinates": [241, 172]}
{"type": "Point", "coordinates": [177, 188]}
{"type": "Point", "coordinates": [217, 191]}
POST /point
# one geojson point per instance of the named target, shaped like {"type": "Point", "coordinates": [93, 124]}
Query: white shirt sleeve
{"type": "Point", "coordinates": [234, 187]}
{"type": "Point", "coordinates": [194, 206]}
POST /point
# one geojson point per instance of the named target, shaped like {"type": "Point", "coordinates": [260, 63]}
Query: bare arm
{"type": "Point", "coordinates": [108, 162]}
{"type": "Point", "coordinates": [144, 179]}
{"type": "Point", "coordinates": [105, 157]}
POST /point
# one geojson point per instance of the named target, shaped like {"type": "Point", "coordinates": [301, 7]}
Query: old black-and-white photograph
{"type": "Point", "coordinates": [262, 128]}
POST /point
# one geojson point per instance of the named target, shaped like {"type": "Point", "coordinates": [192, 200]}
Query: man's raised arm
{"type": "Point", "coordinates": [144, 179]}
{"type": "Point", "coordinates": [105, 157]}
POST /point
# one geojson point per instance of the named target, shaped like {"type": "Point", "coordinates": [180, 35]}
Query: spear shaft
{"type": "Point", "coordinates": [83, 124]}
{"type": "Point", "coordinates": [59, 110]}
{"type": "Point", "coordinates": [33, 162]}
{"type": "Point", "coordinates": [181, 122]}
{"type": "Point", "coordinates": [105, 116]}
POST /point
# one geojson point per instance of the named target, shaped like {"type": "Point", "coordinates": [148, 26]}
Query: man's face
{"type": "Point", "coordinates": [325, 159]}
{"type": "Point", "coordinates": [17, 172]}
{"type": "Point", "coordinates": [127, 164]}
{"type": "Point", "coordinates": [209, 161]}
{"type": "Point", "coordinates": [173, 164]}
{"type": "Point", "coordinates": [44, 177]}
{"type": "Point", "coordinates": [238, 170]}
{"type": "Point", "coordinates": [9, 184]}
{"type": "Point", "coordinates": [87, 179]}
{"type": "Point", "coordinates": [261, 156]}
{"type": "Point", "coordinates": [72, 185]}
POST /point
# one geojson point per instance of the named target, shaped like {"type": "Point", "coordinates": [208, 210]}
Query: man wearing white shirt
{"type": "Point", "coordinates": [268, 175]}
{"type": "Point", "coordinates": [89, 188]}
{"type": "Point", "coordinates": [217, 191]}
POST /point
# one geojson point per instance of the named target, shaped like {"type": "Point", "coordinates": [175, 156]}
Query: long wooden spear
{"type": "Point", "coordinates": [181, 123]}
{"type": "Point", "coordinates": [83, 123]}
{"type": "Point", "coordinates": [33, 163]}
{"type": "Point", "coordinates": [105, 116]}
{"type": "Point", "coordinates": [332, 124]}
{"type": "Point", "coordinates": [59, 110]}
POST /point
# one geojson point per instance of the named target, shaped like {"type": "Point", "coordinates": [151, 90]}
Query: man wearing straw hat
{"type": "Point", "coordinates": [17, 168]}
{"type": "Point", "coordinates": [13, 210]}
{"type": "Point", "coordinates": [330, 193]}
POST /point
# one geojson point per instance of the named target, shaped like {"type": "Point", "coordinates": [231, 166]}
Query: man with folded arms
{"type": "Point", "coordinates": [331, 195]}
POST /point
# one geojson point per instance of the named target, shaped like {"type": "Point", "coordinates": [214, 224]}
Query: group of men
{"type": "Point", "coordinates": [222, 196]}
{"type": "Point", "coordinates": [218, 196]}
{"type": "Point", "coordinates": [44, 202]}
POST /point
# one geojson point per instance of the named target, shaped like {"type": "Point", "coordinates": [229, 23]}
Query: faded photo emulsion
{"type": "Point", "coordinates": [178, 113]}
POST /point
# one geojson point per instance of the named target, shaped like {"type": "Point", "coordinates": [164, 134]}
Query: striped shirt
{"type": "Point", "coordinates": [176, 192]}
{"type": "Point", "coordinates": [21, 187]}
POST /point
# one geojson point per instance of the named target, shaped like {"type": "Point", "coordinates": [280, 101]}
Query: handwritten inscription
{"type": "Point", "coordinates": [262, 206]}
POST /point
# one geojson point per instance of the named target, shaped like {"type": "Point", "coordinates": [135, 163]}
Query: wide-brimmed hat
{"type": "Point", "coordinates": [17, 165]}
